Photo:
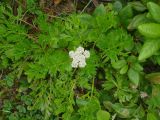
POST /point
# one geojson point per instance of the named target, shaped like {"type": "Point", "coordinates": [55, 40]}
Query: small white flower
{"type": "Point", "coordinates": [71, 54]}
{"type": "Point", "coordinates": [80, 49]}
{"type": "Point", "coordinates": [143, 94]}
{"type": "Point", "coordinates": [82, 64]}
{"type": "Point", "coordinates": [79, 57]}
{"type": "Point", "coordinates": [86, 53]}
{"type": "Point", "coordinates": [74, 64]}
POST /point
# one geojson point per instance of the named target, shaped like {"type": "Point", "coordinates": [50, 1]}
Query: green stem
{"type": "Point", "coordinates": [92, 88]}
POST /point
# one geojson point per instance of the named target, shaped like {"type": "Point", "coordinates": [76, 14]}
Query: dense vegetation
{"type": "Point", "coordinates": [119, 81]}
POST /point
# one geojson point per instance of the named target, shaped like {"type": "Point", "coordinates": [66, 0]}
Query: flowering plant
{"type": "Point", "coordinates": [79, 57]}
{"type": "Point", "coordinates": [38, 80]}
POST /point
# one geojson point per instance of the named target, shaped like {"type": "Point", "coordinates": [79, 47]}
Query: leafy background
{"type": "Point", "coordinates": [37, 81]}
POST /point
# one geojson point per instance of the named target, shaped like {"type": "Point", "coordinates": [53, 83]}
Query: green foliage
{"type": "Point", "coordinates": [151, 116]}
{"type": "Point", "coordinates": [153, 10]}
{"type": "Point", "coordinates": [38, 82]}
{"type": "Point", "coordinates": [151, 46]}
{"type": "Point", "coordinates": [148, 26]}
{"type": "Point", "coordinates": [136, 21]}
{"type": "Point", "coordinates": [150, 30]}
{"type": "Point", "coordinates": [103, 115]}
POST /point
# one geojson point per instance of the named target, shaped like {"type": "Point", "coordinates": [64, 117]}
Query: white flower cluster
{"type": "Point", "coordinates": [79, 57]}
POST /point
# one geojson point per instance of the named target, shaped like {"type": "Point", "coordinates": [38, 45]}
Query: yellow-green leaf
{"type": "Point", "coordinates": [154, 10]}
{"type": "Point", "coordinates": [148, 49]}
{"type": "Point", "coordinates": [103, 115]}
{"type": "Point", "coordinates": [150, 30]}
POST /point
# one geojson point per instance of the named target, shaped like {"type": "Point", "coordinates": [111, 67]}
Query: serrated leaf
{"type": "Point", "coordinates": [134, 76]}
{"type": "Point", "coordinates": [154, 10]}
{"type": "Point", "coordinates": [103, 115]}
{"type": "Point", "coordinates": [150, 30]}
{"type": "Point", "coordinates": [148, 49]}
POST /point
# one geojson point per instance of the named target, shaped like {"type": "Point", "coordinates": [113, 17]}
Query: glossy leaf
{"type": "Point", "coordinates": [154, 10]}
{"type": "Point", "coordinates": [148, 49]}
{"type": "Point", "coordinates": [150, 30]}
{"type": "Point", "coordinates": [137, 5]}
{"type": "Point", "coordinates": [136, 21]}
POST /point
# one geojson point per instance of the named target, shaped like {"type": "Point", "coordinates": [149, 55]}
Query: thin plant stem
{"type": "Point", "coordinates": [86, 6]}
{"type": "Point", "coordinates": [92, 87]}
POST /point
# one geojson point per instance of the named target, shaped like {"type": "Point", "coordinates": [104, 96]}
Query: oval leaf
{"type": "Point", "coordinates": [154, 10]}
{"type": "Point", "coordinates": [136, 21]}
{"type": "Point", "coordinates": [151, 30]}
{"type": "Point", "coordinates": [134, 76]}
{"type": "Point", "coordinates": [148, 49]}
{"type": "Point", "coordinates": [124, 69]}
{"type": "Point", "coordinates": [103, 115]}
{"type": "Point", "coordinates": [137, 5]}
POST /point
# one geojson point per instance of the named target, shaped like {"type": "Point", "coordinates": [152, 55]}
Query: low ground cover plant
{"type": "Point", "coordinates": [74, 67]}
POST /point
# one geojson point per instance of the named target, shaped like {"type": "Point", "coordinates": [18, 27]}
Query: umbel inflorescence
{"type": "Point", "coordinates": [79, 57]}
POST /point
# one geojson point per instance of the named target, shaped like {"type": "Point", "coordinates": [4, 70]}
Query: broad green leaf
{"type": "Point", "coordinates": [108, 85]}
{"type": "Point", "coordinates": [124, 69]}
{"type": "Point", "coordinates": [151, 30]}
{"type": "Point", "coordinates": [126, 14]}
{"type": "Point", "coordinates": [136, 21]}
{"type": "Point", "coordinates": [151, 116]}
{"type": "Point", "coordinates": [134, 76]}
{"type": "Point", "coordinates": [122, 111]}
{"type": "Point", "coordinates": [149, 16]}
{"type": "Point", "coordinates": [148, 49]}
{"type": "Point", "coordinates": [137, 5]}
{"type": "Point", "coordinates": [137, 67]}
{"type": "Point", "coordinates": [154, 10]}
{"type": "Point", "coordinates": [103, 115]}
{"type": "Point", "coordinates": [119, 64]}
